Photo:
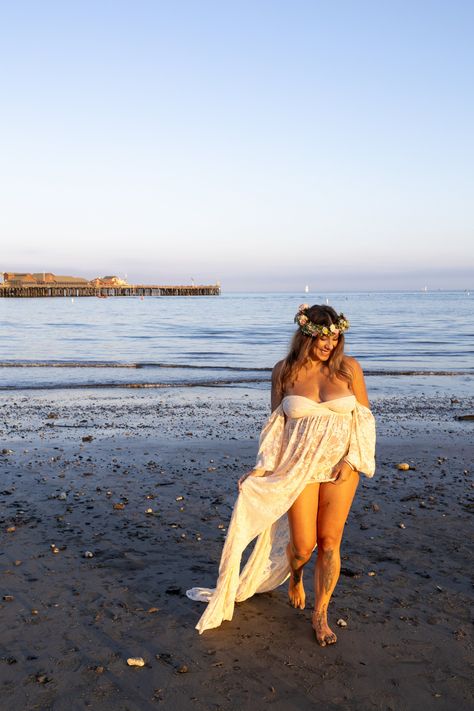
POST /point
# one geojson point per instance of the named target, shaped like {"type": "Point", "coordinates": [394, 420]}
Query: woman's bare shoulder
{"type": "Point", "coordinates": [277, 367]}
{"type": "Point", "coordinates": [353, 364]}
{"type": "Point", "coordinates": [276, 370]}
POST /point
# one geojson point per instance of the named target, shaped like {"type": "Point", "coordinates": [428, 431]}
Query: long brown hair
{"type": "Point", "coordinates": [302, 349]}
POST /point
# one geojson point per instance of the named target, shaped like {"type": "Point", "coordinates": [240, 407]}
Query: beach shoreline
{"type": "Point", "coordinates": [73, 621]}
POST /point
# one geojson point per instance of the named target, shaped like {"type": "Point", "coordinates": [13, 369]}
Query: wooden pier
{"type": "Point", "coordinates": [104, 291]}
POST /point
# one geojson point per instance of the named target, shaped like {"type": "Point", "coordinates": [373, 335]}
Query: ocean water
{"type": "Point", "coordinates": [406, 342]}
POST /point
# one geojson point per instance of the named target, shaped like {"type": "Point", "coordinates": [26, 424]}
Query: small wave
{"type": "Point", "coordinates": [113, 364]}
{"type": "Point", "coordinates": [138, 386]}
{"type": "Point", "coordinates": [192, 366]}
{"type": "Point", "coordinates": [213, 368]}
{"type": "Point", "coordinates": [63, 364]}
{"type": "Point", "coordinates": [417, 372]}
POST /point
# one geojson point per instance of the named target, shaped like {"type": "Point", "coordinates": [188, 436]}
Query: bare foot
{"type": "Point", "coordinates": [324, 634]}
{"type": "Point", "coordinates": [296, 592]}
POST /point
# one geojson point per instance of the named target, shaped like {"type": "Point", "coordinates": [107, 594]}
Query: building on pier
{"type": "Point", "coordinates": [46, 284]}
{"type": "Point", "coordinates": [108, 281]}
{"type": "Point", "coordinates": [18, 279]}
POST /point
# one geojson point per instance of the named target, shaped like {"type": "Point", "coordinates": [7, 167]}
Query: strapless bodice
{"type": "Point", "coordinates": [296, 406]}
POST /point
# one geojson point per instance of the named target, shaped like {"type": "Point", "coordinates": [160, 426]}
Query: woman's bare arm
{"type": "Point", "coordinates": [277, 395]}
{"type": "Point", "coordinates": [344, 470]}
{"type": "Point", "coordinates": [358, 382]}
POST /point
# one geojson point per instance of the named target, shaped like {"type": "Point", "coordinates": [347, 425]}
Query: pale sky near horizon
{"type": "Point", "coordinates": [265, 144]}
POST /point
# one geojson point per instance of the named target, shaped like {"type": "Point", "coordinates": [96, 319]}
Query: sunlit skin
{"type": "Point", "coordinates": [319, 513]}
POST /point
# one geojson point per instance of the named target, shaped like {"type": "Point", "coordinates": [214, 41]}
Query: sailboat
{"type": "Point", "coordinates": [306, 289]}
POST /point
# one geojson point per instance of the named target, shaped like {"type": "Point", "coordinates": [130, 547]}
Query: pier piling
{"type": "Point", "coordinates": [69, 290]}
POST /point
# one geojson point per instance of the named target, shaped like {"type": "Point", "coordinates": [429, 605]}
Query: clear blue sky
{"type": "Point", "coordinates": [265, 144]}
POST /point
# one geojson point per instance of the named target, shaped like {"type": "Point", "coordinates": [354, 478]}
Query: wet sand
{"type": "Point", "coordinates": [68, 623]}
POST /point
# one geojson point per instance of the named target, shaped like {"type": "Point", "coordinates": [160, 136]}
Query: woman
{"type": "Point", "coordinates": [320, 434]}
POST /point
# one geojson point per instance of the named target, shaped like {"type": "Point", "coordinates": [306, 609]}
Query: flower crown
{"type": "Point", "coordinates": [309, 328]}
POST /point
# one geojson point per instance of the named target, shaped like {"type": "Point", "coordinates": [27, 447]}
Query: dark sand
{"type": "Point", "coordinates": [73, 621]}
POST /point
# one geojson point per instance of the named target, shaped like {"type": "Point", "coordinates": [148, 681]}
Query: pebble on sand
{"type": "Point", "coordinates": [136, 662]}
{"type": "Point", "coordinates": [42, 679]}
{"type": "Point", "coordinates": [341, 623]}
{"type": "Point", "coordinates": [403, 466]}
{"type": "Point", "coordinates": [88, 554]}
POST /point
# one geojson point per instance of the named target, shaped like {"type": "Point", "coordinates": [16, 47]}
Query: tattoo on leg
{"type": "Point", "coordinates": [328, 571]}
{"type": "Point", "coordinates": [297, 574]}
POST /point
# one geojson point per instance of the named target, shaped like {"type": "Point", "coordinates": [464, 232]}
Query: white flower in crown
{"type": "Point", "coordinates": [302, 320]}
{"type": "Point", "coordinates": [332, 328]}
{"type": "Point", "coordinates": [303, 307]}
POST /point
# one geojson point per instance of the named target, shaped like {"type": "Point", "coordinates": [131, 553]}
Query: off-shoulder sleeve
{"type": "Point", "coordinates": [361, 452]}
{"type": "Point", "coordinates": [270, 442]}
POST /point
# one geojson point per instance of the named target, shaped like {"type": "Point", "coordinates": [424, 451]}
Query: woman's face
{"type": "Point", "coordinates": [325, 345]}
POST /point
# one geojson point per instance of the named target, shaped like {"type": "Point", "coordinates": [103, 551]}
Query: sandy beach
{"type": "Point", "coordinates": [145, 481]}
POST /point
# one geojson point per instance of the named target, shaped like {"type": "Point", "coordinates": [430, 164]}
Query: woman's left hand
{"type": "Point", "coordinates": [252, 472]}
{"type": "Point", "coordinates": [341, 472]}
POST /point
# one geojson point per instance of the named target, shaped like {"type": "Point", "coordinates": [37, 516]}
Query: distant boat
{"type": "Point", "coordinates": [425, 289]}
{"type": "Point", "coordinates": [306, 289]}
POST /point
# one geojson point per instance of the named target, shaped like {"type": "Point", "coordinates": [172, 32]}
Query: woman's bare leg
{"type": "Point", "coordinates": [302, 520]}
{"type": "Point", "coordinates": [334, 505]}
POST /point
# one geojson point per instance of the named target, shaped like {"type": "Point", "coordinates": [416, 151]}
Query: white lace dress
{"type": "Point", "coordinates": [295, 450]}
